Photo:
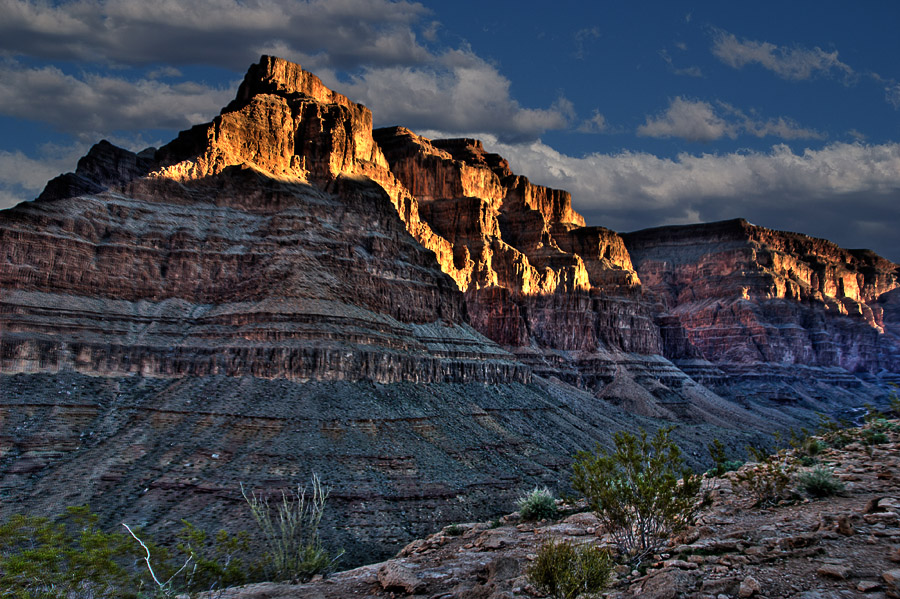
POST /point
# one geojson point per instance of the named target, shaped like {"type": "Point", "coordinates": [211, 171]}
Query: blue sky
{"type": "Point", "coordinates": [650, 113]}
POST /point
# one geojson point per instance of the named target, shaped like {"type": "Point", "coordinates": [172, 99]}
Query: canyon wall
{"type": "Point", "coordinates": [284, 291]}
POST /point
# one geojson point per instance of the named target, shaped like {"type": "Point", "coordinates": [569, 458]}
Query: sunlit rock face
{"type": "Point", "coordinates": [746, 297]}
{"type": "Point", "coordinates": [532, 274]}
{"type": "Point", "coordinates": [283, 291]}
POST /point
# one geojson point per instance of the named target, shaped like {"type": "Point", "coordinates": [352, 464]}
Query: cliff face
{"type": "Point", "coordinates": [745, 297]}
{"type": "Point", "coordinates": [284, 291]}
{"type": "Point", "coordinates": [531, 272]}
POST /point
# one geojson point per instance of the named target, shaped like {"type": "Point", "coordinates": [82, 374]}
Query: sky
{"type": "Point", "coordinates": [649, 113]}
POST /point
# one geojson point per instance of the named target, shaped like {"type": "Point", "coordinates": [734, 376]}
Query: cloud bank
{"type": "Point", "coordinates": [809, 191]}
{"type": "Point", "coordinates": [695, 120]}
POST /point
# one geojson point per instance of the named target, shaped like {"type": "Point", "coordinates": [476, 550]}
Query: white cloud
{"type": "Point", "coordinates": [807, 191]}
{"type": "Point", "coordinates": [693, 71]}
{"type": "Point", "coordinates": [695, 120]}
{"type": "Point", "coordinates": [687, 119]}
{"type": "Point", "coordinates": [458, 92]}
{"type": "Point", "coordinates": [788, 63]}
{"type": "Point", "coordinates": [92, 105]}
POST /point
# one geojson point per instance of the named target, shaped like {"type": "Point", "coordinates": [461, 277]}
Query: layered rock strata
{"type": "Point", "coordinates": [742, 297]}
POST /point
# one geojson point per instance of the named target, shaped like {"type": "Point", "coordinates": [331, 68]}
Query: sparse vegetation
{"type": "Point", "coordinates": [768, 481]}
{"type": "Point", "coordinates": [67, 557]}
{"type": "Point", "coordinates": [291, 531]}
{"type": "Point", "coordinates": [455, 530]}
{"type": "Point", "coordinates": [564, 570]}
{"type": "Point", "coordinates": [820, 482]}
{"type": "Point", "coordinates": [537, 504]}
{"type": "Point", "coordinates": [721, 464]}
{"type": "Point", "coordinates": [636, 492]}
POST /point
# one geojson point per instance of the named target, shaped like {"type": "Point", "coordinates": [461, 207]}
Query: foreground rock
{"type": "Point", "coordinates": [788, 552]}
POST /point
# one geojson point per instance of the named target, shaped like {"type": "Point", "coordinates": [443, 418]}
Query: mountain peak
{"type": "Point", "coordinates": [273, 75]}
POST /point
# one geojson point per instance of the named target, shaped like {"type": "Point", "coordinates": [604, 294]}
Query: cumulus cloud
{"type": "Point", "coordinates": [458, 92]}
{"type": "Point", "coordinates": [217, 32]}
{"type": "Point", "coordinates": [695, 120]}
{"type": "Point", "coordinates": [687, 119]}
{"type": "Point", "coordinates": [807, 191]}
{"type": "Point", "coordinates": [91, 105]}
{"type": "Point", "coordinates": [788, 63]}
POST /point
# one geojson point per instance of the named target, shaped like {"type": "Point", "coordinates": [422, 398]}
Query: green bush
{"type": "Point", "coordinates": [635, 490]}
{"type": "Point", "coordinates": [215, 563]}
{"type": "Point", "coordinates": [68, 557]}
{"type": "Point", "coordinates": [721, 464]}
{"type": "Point", "coordinates": [565, 571]}
{"type": "Point", "coordinates": [537, 504]}
{"type": "Point", "coordinates": [455, 530]}
{"type": "Point", "coordinates": [295, 551]}
{"type": "Point", "coordinates": [871, 436]}
{"type": "Point", "coordinates": [820, 482]}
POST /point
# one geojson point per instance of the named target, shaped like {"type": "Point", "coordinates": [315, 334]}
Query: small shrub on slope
{"type": "Point", "coordinates": [537, 504]}
{"type": "Point", "coordinates": [291, 531]}
{"type": "Point", "coordinates": [768, 480]}
{"type": "Point", "coordinates": [564, 570]}
{"type": "Point", "coordinates": [636, 492]}
{"type": "Point", "coordinates": [819, 482]}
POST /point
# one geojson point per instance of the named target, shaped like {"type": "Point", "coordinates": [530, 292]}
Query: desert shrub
{"type": "Point", "coordinates": [717, 453]}
{"type": "Point", "coordinates": [216, 562]}
{"type": "Point", "coordinates": [65, 557]}
{"type": "Point", "coordinates": [872, 436]}
{"type": "Point", "coordinates": [820, 482]}
{"type": "Point", "coordinates": [721, 464]}
{"type": "Point", "coordinates": [636, 492]}
{"type": "Point", "coordinates": [806, 460]}
{"type": "Point", "coordinates": [291, 531]}
{"type": "Point", "coordinates": [732, 465]}
{"type": "Point", "coordinates": [455, 530]}
{"type": "Point", "coordinates": [768, 480]}
{"type": "Point", "coordinates": [838, 439]}
{"type": "Point", "coordinates": [813, 447]}
{"type": "Point", "coordinates": [537, 504]}
{"type": "Point", "coordinates": [564, 570]}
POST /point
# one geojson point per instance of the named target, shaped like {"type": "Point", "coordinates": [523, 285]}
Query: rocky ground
{"type": "Point", "coordinates": [843, 546]}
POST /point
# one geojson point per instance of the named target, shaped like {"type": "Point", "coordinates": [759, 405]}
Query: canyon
{"type": "Point", "coordinates": [285, 290]}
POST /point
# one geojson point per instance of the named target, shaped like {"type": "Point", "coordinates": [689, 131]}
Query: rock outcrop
{"type": "Point", "coordinates": [283, 291]}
